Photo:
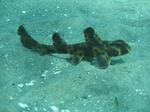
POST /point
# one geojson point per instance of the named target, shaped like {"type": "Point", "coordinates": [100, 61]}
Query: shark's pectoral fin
{"type": "Point", "coordinates": [102, 61]}
{"type": "Point", "coordinates": [76, 58]}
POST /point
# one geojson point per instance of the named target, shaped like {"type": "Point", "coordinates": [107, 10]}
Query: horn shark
{"type": "Point", "coordinates": [98, 50]}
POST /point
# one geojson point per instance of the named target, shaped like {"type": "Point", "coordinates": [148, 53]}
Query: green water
{"type": "Point", "coordinates": [33, 83]}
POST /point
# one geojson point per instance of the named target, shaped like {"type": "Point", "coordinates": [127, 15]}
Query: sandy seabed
{"type": "Point", "coordinates": [30, 82]}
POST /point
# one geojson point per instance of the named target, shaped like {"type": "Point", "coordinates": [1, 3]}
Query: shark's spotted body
{"type": "Point", "coordinates": [99, 51]}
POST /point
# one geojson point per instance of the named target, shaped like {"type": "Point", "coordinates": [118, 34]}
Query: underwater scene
{"type": "Point", "coordinates": [75, 56]}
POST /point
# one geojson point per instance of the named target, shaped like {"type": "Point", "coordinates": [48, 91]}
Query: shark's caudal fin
{"type": "Point", "coordinates": [26, 40]}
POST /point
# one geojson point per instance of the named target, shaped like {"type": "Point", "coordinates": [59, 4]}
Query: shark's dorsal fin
{"type": "Point", "coordinates": [57, 40]}
{"type": "Point", "coordinates": [101, 61]}
{"type": "Point", "coordinates": [59, 44]}
{"type": "Point", "coordinates": [91, 36]}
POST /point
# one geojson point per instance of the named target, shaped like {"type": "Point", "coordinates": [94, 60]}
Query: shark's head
{"type": "Point", "coordinates": [118, 47]}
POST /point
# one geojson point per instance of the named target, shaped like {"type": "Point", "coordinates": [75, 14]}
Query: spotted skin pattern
{"type": "Point", "coordinates": [98, 50]}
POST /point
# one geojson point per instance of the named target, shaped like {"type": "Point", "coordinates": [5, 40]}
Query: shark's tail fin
{"type": "Point", "coordinates": [26, 40]}
{"type": "Point", "coordinates": [59, 45]}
